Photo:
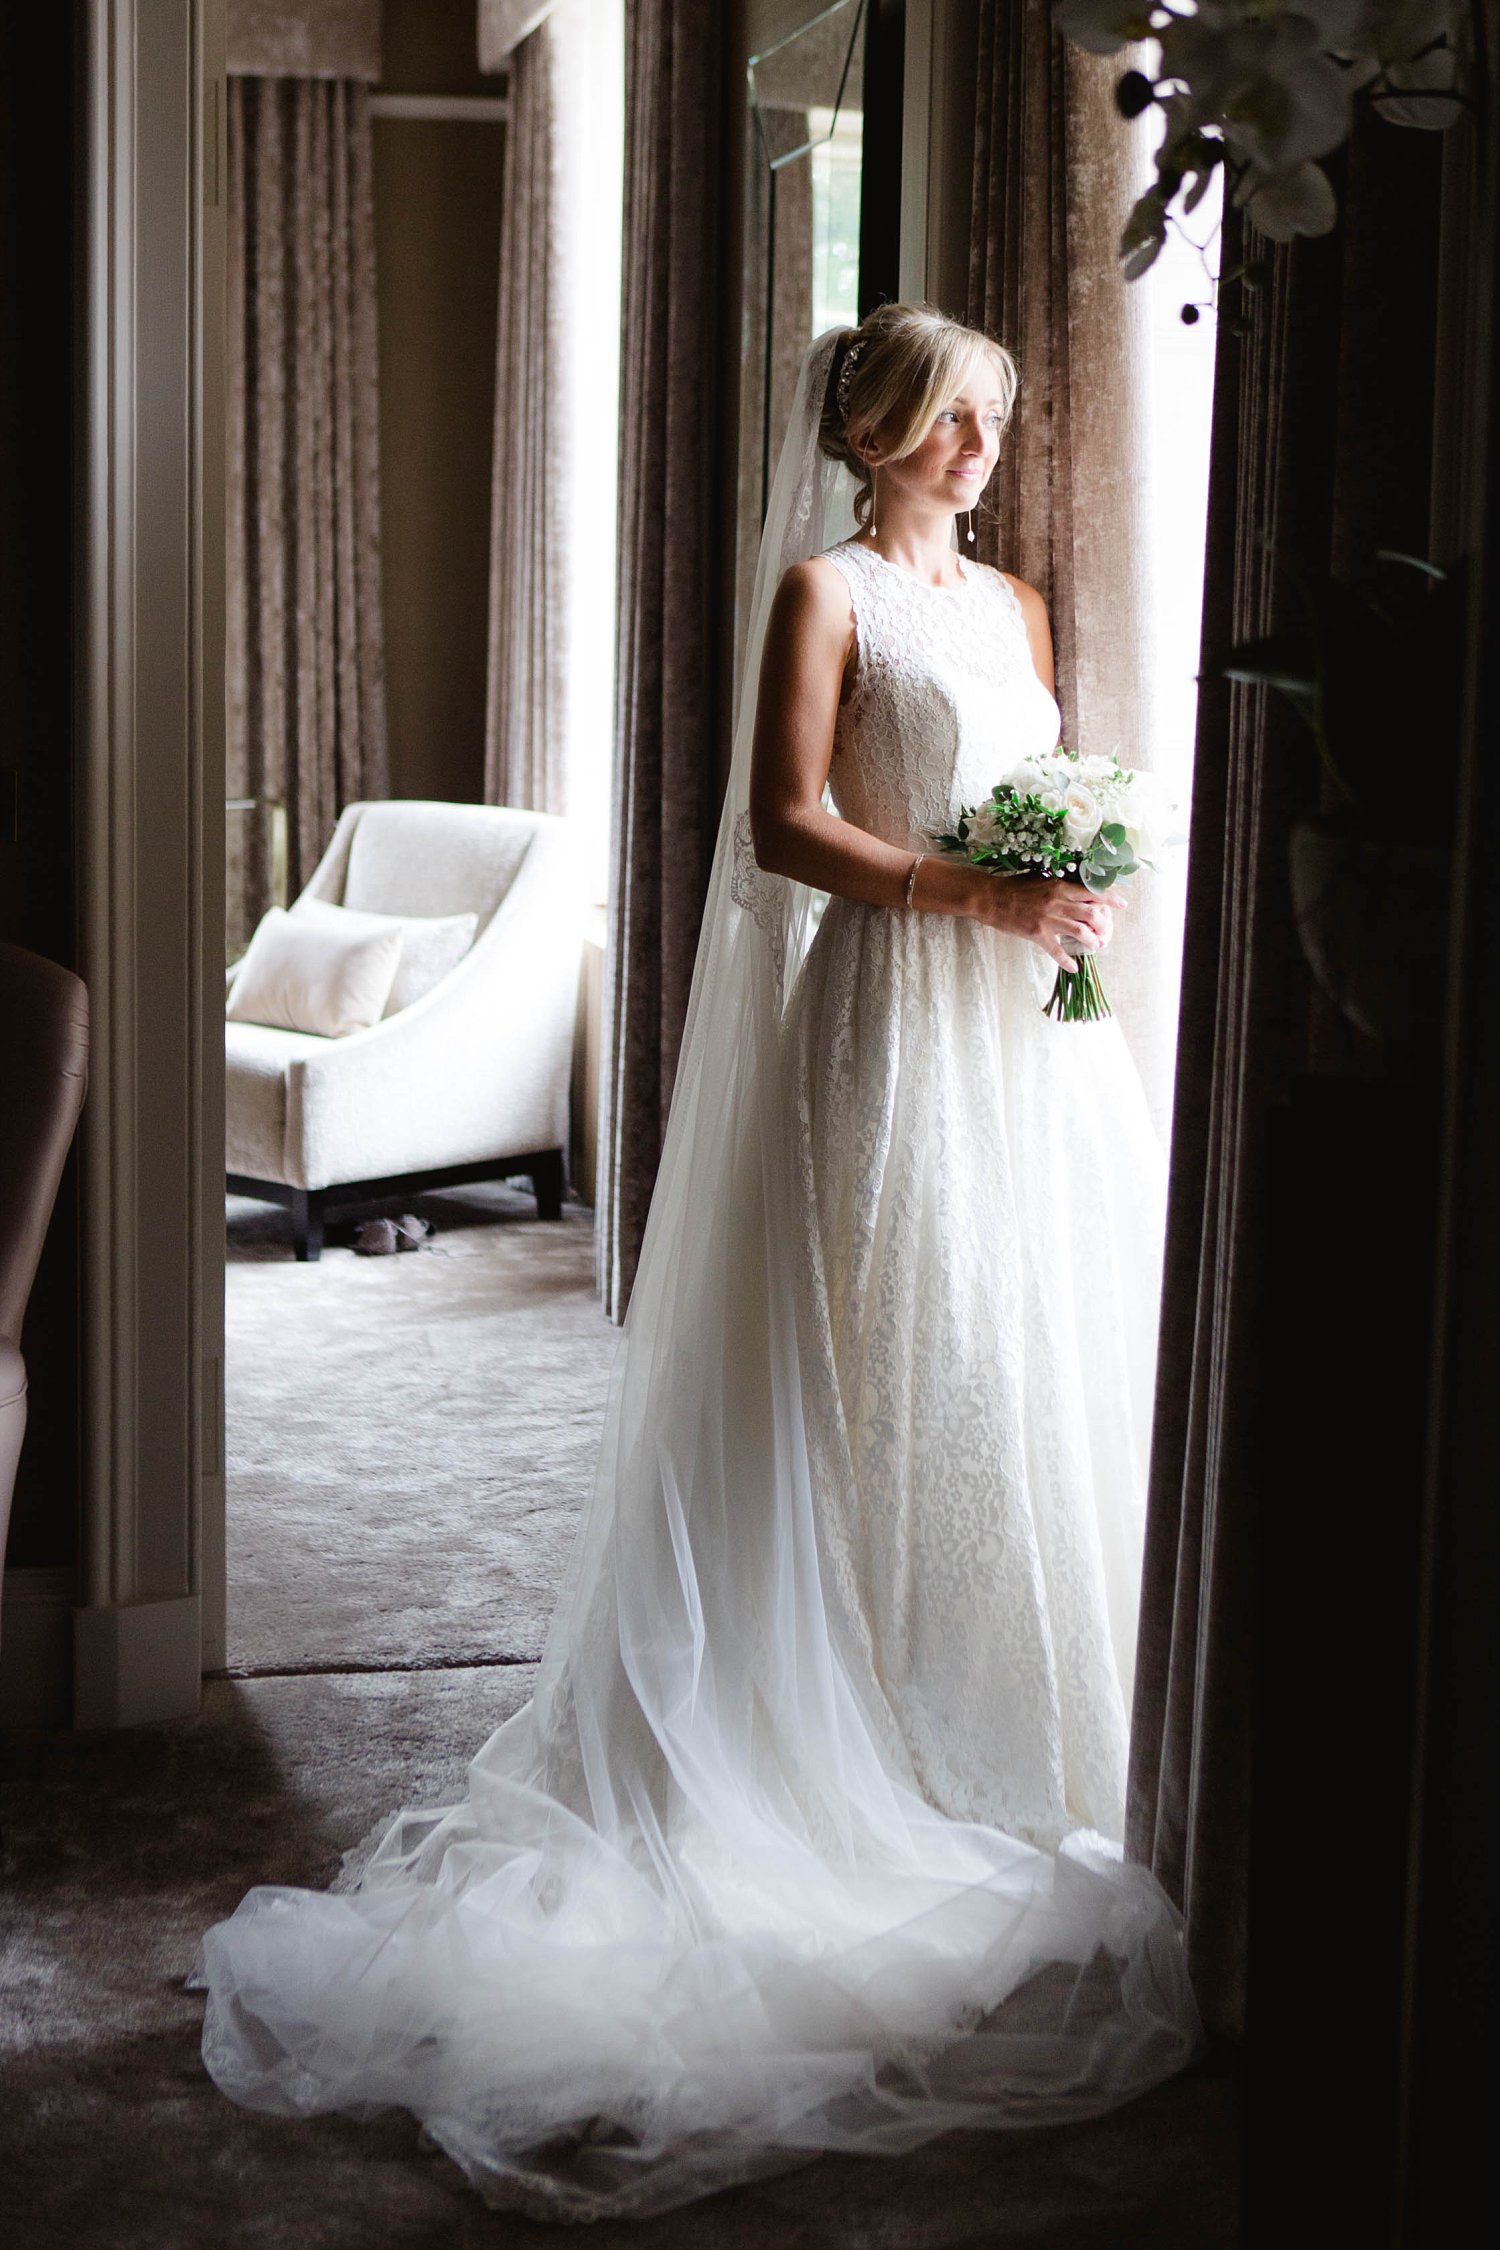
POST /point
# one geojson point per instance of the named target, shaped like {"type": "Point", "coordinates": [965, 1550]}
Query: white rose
{"type": "Point", "coordinates": [1029, 778]}
{"type": "Point", "coordinates": [1082, 824]}
{"type": "Point", "coordinates": [1053, 800]}
{"type": "Point", "coordinates": [1150, 820]}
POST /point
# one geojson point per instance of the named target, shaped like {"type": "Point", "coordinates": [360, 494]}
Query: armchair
{"type": "Point", "coordinates": [471, 1081]}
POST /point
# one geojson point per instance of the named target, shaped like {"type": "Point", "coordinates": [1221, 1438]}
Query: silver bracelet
{"type": "Point", "coordinates": [911, 875]}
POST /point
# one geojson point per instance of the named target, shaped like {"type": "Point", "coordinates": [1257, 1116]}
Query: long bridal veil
{"type": "Point", "coordinates": [688, 1924]}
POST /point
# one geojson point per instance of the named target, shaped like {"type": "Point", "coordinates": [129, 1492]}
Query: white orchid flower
{"type": "Point", "coordinates": [1103, 27]}
{"type": "Point", "coordinates": [1286, 204]}
{"type": "Point", "coordinates": [1422, 91]}
{"type": "Point", "coordinates": [1397, 30]}
{"type": "Point", "coordinates": [1267, 84]}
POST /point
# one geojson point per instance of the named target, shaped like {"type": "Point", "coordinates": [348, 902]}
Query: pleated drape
{"type": "Point", "coordinates": [305, 648]}
{"type": "Point", "coordinates": [1321, 453]}
{"type": "Point", "coordinates": [526, 711]}
{"type": "Point", "coordinates": [1069, 512]}
{"type": "Point", "coordinates": [1242, 1023]}
{"type": "Point", "coordinates": [665, 733]}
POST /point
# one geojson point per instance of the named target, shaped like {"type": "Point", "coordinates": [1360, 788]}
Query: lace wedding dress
{"type": "Point", "coordinates": [982, 1195]}
{"type": "Point", "coordinates": [808, 1837]}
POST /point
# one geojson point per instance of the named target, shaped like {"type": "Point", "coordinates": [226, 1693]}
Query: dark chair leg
{"type": "Point", "coordinates": [547, 1184]}
{"type": "Point", "coordinates": [307, 1225]}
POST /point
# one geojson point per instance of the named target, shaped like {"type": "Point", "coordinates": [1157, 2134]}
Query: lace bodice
{"type": "Point", "coordinates": [946, 696]}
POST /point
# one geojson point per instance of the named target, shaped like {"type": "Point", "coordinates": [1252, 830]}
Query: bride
{"type": "Point", "coordinates": [809, 1838]}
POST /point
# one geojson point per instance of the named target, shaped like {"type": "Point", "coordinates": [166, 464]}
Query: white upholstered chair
{"type": "Point", "coordinates": [469, 1082]}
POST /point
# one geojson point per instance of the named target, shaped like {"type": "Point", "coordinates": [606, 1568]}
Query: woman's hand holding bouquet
{"type": "Point", "coordinates": [1082, 823]}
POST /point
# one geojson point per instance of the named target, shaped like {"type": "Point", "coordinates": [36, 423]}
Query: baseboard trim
{"type": "Point", "coordinates": [36, 1647]}
{"type": "Point", "coordinates": [355, 1667]}
{"type": "Point", "coordinates": [138, 1663]}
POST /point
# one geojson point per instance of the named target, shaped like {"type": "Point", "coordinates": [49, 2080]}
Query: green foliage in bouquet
{"type": "Point", "coordinates": [1017, 834]}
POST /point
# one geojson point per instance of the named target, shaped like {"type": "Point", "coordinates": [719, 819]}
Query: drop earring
{"type": "Point", "coordinates": [971, 527]}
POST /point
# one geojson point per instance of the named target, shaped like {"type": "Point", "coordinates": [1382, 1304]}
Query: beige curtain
{"type": "Point", "coordinates": [303, 38]}
{"type": "Point", "coordinates": [1054, 178]}
{"type": "Point", "coordinates": [503, 25]}
{"type": "Point", "coordinates": [305, 687]}
{"type": "Point", "coordinates": [666, 717]}
{"type": "Point", "coordinates": [526, 713]}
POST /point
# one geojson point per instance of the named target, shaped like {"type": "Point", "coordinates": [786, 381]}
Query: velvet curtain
{"type": "Point", "coordinates": [303, 38]}
{"type": "Point", "coordinates": [305, 652]}
{"type": "Point", "coordinates": [1054, 176]}
{"type": "Point", "coordinates": [1322, 448]}
{"type": "Point", "coordinates": [526, 716]}
{"type": "Point", "coordinates": [1242, 1018]}
{"type": "Point", "coordinates": [667, 650]}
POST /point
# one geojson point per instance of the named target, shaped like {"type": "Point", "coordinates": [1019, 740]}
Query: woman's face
{"type": "Point", "coordinates": [953, 463]}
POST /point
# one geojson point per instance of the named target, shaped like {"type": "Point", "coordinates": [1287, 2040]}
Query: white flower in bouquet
{"type": "Point", "coordinates": [1081, 819]}
{"type": "Point", "coordinates": [1030, 777]}
{"type": "Point", "coordinates": [1151, 823]}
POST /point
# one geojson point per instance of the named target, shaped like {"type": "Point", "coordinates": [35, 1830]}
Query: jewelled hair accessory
{"type": "Point", "coordinates": [841, 387]}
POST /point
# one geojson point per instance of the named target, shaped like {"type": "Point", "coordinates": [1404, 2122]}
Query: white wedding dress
{"type": "Point", "coordinates": [770, 1864]}
{"type": "Point", "coordinates": [982, 1195]}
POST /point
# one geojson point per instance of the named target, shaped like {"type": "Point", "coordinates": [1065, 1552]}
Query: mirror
{"type": "Point", "coordinates": [806, 107]}
{"type": "Point", "coordinates": [804, 149]}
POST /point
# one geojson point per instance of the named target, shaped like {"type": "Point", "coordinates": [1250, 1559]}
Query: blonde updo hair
{"type": "Point", "coordinates": [912, 359]}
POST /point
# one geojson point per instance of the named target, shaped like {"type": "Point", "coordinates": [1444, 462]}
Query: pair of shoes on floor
{"type": "Point", "coordinates": [377, 1238]}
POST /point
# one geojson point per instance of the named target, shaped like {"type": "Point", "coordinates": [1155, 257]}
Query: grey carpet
{"type": "Point", "coordinates": [404, 1487]}
{"type": "Point", "coordinates": [409, 1438]}
{"type": "Point", "coordinates": [118, 1851]}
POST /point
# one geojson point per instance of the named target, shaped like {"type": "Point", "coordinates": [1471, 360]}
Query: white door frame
{"type": "Point", "coordinates": [151, 860]}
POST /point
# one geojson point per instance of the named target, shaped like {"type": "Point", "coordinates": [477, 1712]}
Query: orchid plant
{"type": "Point", "coordinates": [1266, 88]}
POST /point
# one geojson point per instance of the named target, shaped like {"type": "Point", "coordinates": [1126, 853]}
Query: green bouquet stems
{"type": "Point", "coordinates": [1078, 995]}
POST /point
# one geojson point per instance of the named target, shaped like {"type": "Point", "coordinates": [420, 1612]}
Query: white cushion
{"type": "Point", "coordinates": [431, 944]}
{"type": "Point", "coordinates": [300, 974]}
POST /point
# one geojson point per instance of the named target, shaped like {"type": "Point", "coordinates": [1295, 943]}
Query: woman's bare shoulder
{"type": "Point", "coordinates": [812, 606]}
{"type": "Point", "coordinates": [816, 583]}
{"type": "Point", "coordinates": [1030, 600]}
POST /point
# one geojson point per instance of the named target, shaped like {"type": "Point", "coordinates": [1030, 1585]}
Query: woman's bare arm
{"type": "Point", "coordinates": [809, 637]}
{"type": "Point", "coordinates": [1038, 629]}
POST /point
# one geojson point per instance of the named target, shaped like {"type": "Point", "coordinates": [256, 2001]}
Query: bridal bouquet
{"type": "Point", "coordinates": [1085, 820]}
